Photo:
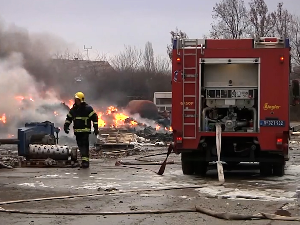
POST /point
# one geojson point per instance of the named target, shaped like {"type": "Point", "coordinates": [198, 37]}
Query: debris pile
{"type": "Point", "coordinates": [121, 142]}
{"type": "Point", "coordinates": [9, 158]}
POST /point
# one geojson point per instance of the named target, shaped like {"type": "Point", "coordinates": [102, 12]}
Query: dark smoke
{"type": "Point", "coordinates": [27, 69]}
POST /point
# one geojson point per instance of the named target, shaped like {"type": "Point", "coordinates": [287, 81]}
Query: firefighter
{"type": "Point", "coordinates": [82, 114]}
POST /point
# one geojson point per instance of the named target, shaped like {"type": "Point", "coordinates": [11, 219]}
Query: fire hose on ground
{"type": "Point", "coordinates": [198, 209]}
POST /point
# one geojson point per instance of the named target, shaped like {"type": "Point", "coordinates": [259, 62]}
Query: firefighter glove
{"type": "Point", "coordinates": [66, 128]}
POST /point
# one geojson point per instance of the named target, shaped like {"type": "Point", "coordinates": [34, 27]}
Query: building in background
{"type": "Point", "coordinates": [163, 101]}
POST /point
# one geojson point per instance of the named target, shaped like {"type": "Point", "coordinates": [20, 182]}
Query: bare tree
{"type": "Point", "coordinates": [284, 21]}
{"type": "Point", "coordinates": [232, 20]}
{"type": "Point", "coordinates": [295, 40]}
{"type": "Point", "coordinates": [176, 33]}
{"type": "Point", "coordinates": [262, 22]}
{"type": "Point", "coordinates": [128, 60]}
{"type": "Point", "coordinates": [149, 57]}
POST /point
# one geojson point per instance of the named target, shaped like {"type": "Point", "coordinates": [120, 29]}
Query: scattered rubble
{"type": "Point", "coordinates": [120, 142]}
{"type": "Point", "coordinates": [9, 157]}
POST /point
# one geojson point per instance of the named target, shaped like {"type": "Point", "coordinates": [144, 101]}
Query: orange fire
{"type": "Point", "coordinates": [70, 104]}
{"type": "Point", "coordinates": [101, 122]}
{"type": "Point", "coordinates": [3, 118]}
{"type": "Point", "coordinates": [20, 98]}
{"type": "Point", "coordinates": [133, 123]}
{"type": "Point", "coordinates": [111, 117]}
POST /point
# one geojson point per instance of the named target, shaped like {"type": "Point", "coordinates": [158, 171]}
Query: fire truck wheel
{"type": "Point", "coordinates": [266, 169]}
{"type": "Point", "coordinates": [187, 167]}
{"type": "Point", "coordinates": [200, 168]}
{"type": "Point", "coordinates": [278, 169]}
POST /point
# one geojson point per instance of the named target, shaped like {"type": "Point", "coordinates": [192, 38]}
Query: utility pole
{"type": "Point", "coordinates": [87, 51]}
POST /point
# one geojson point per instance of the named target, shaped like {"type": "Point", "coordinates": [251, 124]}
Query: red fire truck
{"type": "Point", "coordinates": [242, 84]}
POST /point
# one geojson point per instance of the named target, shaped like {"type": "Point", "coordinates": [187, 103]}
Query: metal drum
{"type": "Point", "coordinates": [55, 152]}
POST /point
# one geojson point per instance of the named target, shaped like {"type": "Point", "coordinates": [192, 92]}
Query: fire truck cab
{"type": "Point", "coordinates": [242, 84]}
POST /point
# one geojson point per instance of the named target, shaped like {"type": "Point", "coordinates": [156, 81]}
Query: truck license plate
{"type": "Point", "coordinates": [272, 123]}
{"type": "Point", "coordinates": [240, 94]}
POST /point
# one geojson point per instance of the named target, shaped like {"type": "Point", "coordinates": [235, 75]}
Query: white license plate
{"type": "Point", "coordinates": [241, 93]}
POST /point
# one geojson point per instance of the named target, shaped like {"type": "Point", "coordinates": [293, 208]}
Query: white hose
{"type": "Point", "coordinates": [218, 145]}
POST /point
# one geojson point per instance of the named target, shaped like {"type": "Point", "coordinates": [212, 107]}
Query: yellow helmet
{"type": "Point", "coordinates": [80, 96]}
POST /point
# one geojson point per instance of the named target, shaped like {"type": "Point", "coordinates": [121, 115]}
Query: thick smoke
{"type": "Point", "coordinates": [25, 70]}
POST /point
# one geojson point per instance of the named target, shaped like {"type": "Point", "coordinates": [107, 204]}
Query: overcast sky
{"type": "Point", "coordinates": [108, 25]}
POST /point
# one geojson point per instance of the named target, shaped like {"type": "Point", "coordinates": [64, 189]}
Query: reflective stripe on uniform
{"type": "Point", "coordinates": [85, 159]}
{"type": "Point", "coordinates": [82, 130]}
{"type": "Point", "coordinates": [92, 113]}
{"type": "Point", "coordinates": [67, 121]}
{"type": "Point", "coordinates": [69, 115]}
{"type": "Point", "coordinates": [82, 118]}
{"type": "Point", "coordinates": [95, 122]}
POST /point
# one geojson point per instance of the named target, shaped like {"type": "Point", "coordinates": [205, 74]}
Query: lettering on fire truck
{"type": "Point", "coordinates": [271, 107]}
{"type": "Point", "coordinates": [187, 103]}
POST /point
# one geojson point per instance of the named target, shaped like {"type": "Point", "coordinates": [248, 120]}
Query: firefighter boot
{"type": "Point", "coordinates": [85, 162]}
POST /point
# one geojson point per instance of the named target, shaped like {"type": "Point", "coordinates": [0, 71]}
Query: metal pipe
{"type": "Point", "coordinates": [255, 122]}
{"type": "Point", "coordinates": [9, 141]}
{"type": "Point", "coordinates": [203, 117]}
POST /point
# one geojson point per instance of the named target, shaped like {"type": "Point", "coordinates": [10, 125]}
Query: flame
{"type": "Point", "coordinates": [101, 122]}
{"type": "Point", "coordinates": [70, 104]}
{"type": "Point", "coordinates": [110, 110]}
{"type": "Point", "coordinates": [3, 118]}
{"type": "Point", "coordinates": [171, 129]}
{"type": "Point", "coordinates": [111, 117]}
{"type": "Point", "coordinates": [157, 127]}
{"type": "Point", "coordinates": [133, 123]}
{"type": "Point", "coordinates": [21, 98]}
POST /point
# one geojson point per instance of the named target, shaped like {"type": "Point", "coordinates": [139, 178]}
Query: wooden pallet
{"type": "Point", "coordinates": [116, 139]}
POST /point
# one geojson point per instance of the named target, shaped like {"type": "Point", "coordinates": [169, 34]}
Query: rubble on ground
{"type": "Point", "coordinates": [9, 157]}
{"type": "Point", "coordinates": [119, 142]}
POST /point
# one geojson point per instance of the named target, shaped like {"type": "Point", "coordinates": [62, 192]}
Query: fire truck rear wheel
{"type": "Point", "coordinates": [187, 163]}
{"type": "Point", "coordinates": [266, 169]}
{"type": "Point", "coordinates": [200, 168]}
{"type": "Point", "coordinates": [187, 167]}
{"type": "Point", "coordinates": [278, 169]}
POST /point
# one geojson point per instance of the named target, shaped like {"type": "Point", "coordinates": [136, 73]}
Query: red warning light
{"type": "Point", "coordinates": [178, 59]}
{"type": "Point", "coordinates": [281, 59]}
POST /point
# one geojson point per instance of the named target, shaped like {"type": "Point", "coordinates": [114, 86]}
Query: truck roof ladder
{"type": "Point", "coordinates": [189, 79]}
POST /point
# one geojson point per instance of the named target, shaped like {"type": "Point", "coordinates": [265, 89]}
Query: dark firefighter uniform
{"type": "Point", "coordinates": [82, 114]}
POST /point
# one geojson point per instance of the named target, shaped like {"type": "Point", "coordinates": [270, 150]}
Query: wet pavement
{"type": "Point", "coordinates": [244, 192]}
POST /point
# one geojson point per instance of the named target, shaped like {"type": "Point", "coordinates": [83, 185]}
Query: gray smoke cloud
{"type": "Point", "coordinates": [25, 71]}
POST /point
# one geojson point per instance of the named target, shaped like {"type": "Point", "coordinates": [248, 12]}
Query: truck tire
{"type": "Point", "coordinates": [186, 164]}
{"type": "Point", "coordinates": [187, 167]}
{"type": "Point", "coordinates": [200, 168]}
{"type": "Point", "coordinates": [266, 169]}
{"type": "Point", "coordinates": [278, 169]}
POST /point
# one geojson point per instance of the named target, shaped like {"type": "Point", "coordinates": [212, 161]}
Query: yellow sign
{"type": "Point", "coordinates": [187, 103]}
{"type": "Point", "coordinates": [271, 107]}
